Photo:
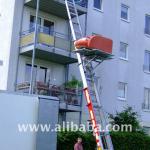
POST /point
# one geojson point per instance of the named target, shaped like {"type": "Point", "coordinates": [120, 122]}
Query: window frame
{"type": "Point", "coordinates": [1, 62]}
{"type": "Point", "coordinates": [35, 67]}
{"type": "Point", "coordinates": [144, 66]}
{"type": "Point", "coordinates": [42, 22]}
{"type": "Point", "coordinates": [145, 30]}
{"type": "Point", "coordinates": [45, 73]}
{"type": "Point", "coordinates": [101, 6]}
{"type": "Point", "coordinates": [123, 58]}
{"type": "Point", "coordinates": [145, 105]}
{"type": "Point", "coordinates": [125, 92]}
{"type": "Point", "coordinates": [128, 12]}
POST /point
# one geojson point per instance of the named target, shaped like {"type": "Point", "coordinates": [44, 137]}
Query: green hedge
{"type": "Point", "coordinates": [130, 141]}
{"type": "Point", "coordinates": [66, 140]}
{"type": "Point", "coordinates": [121, 141]}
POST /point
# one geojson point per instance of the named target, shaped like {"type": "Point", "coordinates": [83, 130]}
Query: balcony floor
{"type": "Point", "coordinates": [69, 108]}
{"type": "Point", "coordinates": [55, 7]}
{"type": "Point", "coordinates": [50, 54]}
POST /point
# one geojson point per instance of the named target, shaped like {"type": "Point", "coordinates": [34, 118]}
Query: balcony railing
{"type": "Point", "coordinates": [47, 37]}
{"type": "Point", "coordinates": [82, 3]}
{"type": "Point", "coordinates": [70, 96]}
{"type": "Point", "coordinates": [146, 106]}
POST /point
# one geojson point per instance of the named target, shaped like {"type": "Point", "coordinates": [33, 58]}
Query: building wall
{"type": "Point", "coordinates": [20, 112]}
{"type": "Point", "coordinates": [56, 72]}
{"type": "Point", "coordinates": [109, 24]}
{"type": "Point", "coordinates": [105, 22]}
{"type": "Point", "coordinates": [60, 24]}
{"type": "Point", "coordinates": [6, 25]}
{"type": "Point", "coordinates": [30, 111]}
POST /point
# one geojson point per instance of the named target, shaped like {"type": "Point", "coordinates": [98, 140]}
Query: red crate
{"type": "Point", "coordinates": [95, 42]}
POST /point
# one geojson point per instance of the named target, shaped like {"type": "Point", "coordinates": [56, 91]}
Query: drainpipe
{"type": "Point", "coordinates": [17, 68]}
{"type": "Point", "coordinates": [34, 48]}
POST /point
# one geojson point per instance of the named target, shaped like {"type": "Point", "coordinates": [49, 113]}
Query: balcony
{"type": "Point", "coordinates": [70, 98]}
{"type": "Point", "coordinates": [57, 7]}
{"type": "Point", "coordinates": [51, 46]}
{"type": "Point", "coordinates": [146, 106]}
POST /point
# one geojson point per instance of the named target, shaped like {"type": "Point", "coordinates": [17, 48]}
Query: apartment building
{"type": "Point", "coordinates": [122, 81]}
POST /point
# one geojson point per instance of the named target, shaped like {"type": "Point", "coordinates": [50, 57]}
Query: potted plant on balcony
{"type": "Point", "coordinates": [73, 85]}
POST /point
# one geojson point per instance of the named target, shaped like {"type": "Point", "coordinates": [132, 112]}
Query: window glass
{"type": "Point", "coordinates": [28, 73]}
{"type": "Point", "coordinates": [146, 98]}
{"type": "Point", "coordinates": [147, 61]}
{"type": "Point", "coordinates": [146, 130]}
{"type": "Point", "coordinates": [42, 74]}
{"type": "Point", "coordinates": [32, 22]}
{"type": "Point", "coordinates": [123, 50]}
{"type": "Point", "coordinates": [98, 4]}
{"type": "Point", "coordinates": [48, 27]}
{"type": "Point", "coordinates": [1, 63]}
{"type": "Point", "coordinates": [122, 90]}
{"type": "Point", "coordinates": [124, 12]}
{"type": "Point", "coordinates": [147, 24]}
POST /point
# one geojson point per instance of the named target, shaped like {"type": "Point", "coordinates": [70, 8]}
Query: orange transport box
{"type": "Point", "coordinates": [95, 42]}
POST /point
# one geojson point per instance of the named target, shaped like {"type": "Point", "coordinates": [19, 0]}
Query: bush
{"type": "Point", "coordinates": [121, 140]}
{"type": "Point", "coordinates": [127, 117]}
{"type": "Point", "coordinates": [130, 141]}
{"type": "Point", "coordinates": [66, 140]}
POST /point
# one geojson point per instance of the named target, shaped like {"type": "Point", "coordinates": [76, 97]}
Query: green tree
{"type": "Point", "coordinates": [127, 117]}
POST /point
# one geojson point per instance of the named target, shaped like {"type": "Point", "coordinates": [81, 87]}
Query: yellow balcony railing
{"type": "Point", "coordinates": [47, 38]}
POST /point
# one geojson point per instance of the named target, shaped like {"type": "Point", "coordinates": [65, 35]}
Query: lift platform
{"type": "Point", "coordinates": [94, 54]}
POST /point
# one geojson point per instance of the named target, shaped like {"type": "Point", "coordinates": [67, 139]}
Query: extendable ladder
{"type": "Point", "coordinates": [96, 112]}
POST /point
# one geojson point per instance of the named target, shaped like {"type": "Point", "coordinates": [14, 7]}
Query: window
{"type": "Point", "coordinates": [124, 12]}
{"type": "Point", "coordinates": [1, 63]}
{"type": "Point", "coordinates": [48, 27]}
{"type": "Point", "coordinates": [98, 4]}
{"type": "Point", "coordinates": [28, 72]}
{"type": "Point", "coordinates": [123, 50]}
{"type": "Point", "coordinates": [147, 61]}
{"type": "Point", "coordinates": [146, 104]}
{"type": "Point", "coordinates": [147, 24]}
{"type": "Point", "coordinates": [122, 90]}
{"type": "Point", "coordinates": [42, 74]}
{"type": "Point", "coordinates": [32, 22]}
{"type": "Point", "coordinates": [146, 130]}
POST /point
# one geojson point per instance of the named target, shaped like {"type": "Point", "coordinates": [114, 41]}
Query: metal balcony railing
{"type": "Point", "coordinates": [146, 106]}
{"type": "Point", "coordinates": [70, 96]}
{"type": "Point", "coordinates": [82, 3]}
{"type": "Point", "coordinates": [47, 37]}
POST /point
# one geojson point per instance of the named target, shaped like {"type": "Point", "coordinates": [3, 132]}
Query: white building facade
{"type": "Point", "coordinates": [123, 81]}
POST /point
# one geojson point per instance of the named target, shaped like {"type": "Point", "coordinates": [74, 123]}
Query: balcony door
{"type": "Point", "coordinates": [32, 22]}
{"type": "Point", "coordinates": [28, 73]}
{"type": "Point", "coordinates": [40, 74]}
{"type": "Point", "coordinates": [48, 27]}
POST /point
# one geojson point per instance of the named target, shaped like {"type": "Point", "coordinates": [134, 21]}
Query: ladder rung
{"type": "Point", "coordinates": [71, 3]}
{"type": "Point", "coordinates": [78, 32]}
{"type": "Point", "coordinates": [75, 23]}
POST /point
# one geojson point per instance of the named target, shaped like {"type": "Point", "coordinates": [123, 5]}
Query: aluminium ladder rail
{"type": "Point", "coordinates": [103, 139]}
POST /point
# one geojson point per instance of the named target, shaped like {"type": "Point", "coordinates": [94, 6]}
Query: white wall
{"type": "Point", "coordinates": [56, 71]}
{"type": "Point", "coordinates": [60, 24]}
{"type": "Point", "coordinates": [108, 23]}
{"type": "Point", "coordinates": [14, 110]}
{"type": "Point", "coordinates": [6, 11]}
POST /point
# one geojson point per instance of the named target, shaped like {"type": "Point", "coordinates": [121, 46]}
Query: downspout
{"type": "Point", "coordinates": [34, 48]}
